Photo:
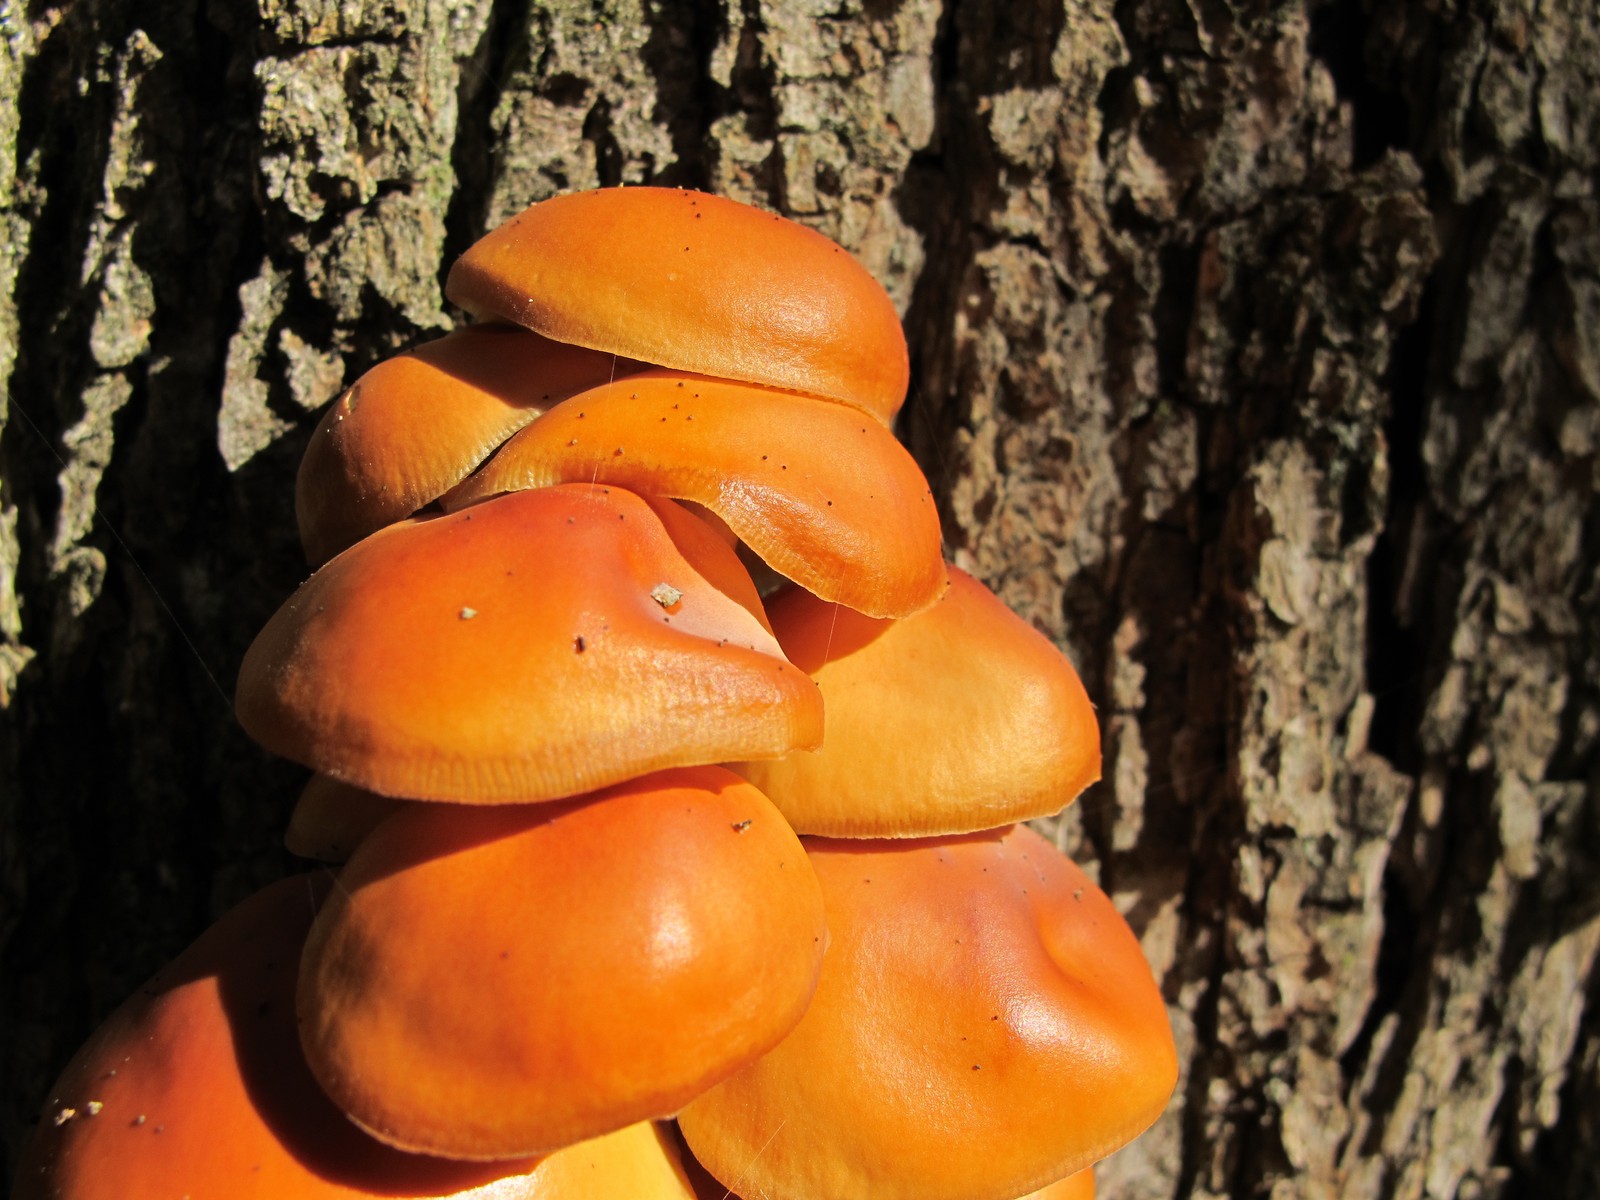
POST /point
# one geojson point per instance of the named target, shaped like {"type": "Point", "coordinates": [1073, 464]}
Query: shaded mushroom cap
{"type": "Point", "coordinates": [962, 717]}
{"type": "Point", "coordinates": [985, 1024]}
{"type": "Point", "coordinates": [709, 1187]}
{"type": "Point", "coordinates": [822, 495]}
{"type": "Point", "coordinates": [696, 282]}
{"type": "Point", "coordinates": [330, 819]}
{"type": "Point", "coordinates": [196, 1087]}
{"type": "Point", "coordinates": [418, 423]}
{"type": "Point", "coordinates": [639, 1161]}
{"type": "Point", "coordinates": [705, 544]}
{"type": "Point", "coordinates": [540, 645]}
{"type": "Point", "coordinates": [1074, 1187]}
{"type": "Point", "coordinates": [499, 981]}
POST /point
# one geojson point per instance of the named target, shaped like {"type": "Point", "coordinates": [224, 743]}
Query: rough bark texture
{"type": "Point", "coordinates": [1257, 361]}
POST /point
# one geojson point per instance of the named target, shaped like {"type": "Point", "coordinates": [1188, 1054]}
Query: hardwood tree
{"type": "Point", "coordinates": [1256, 351]}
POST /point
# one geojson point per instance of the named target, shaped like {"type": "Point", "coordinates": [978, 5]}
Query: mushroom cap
{"type": "Point", "coordinates": [709, 1187]}
{"type": "Point", "coordinates": [1079, 1186]}
{"type": "Point", "coordinates": [821, 494]}
{"type": "Point", "coordinates": [492, 982]}
{"type": "Point", "coordinates": [418, 423]}
{"type": "Point", "coordinates": [985, 1024]}
{"type": "Point", "coordinates": [706, 544]}
{"type": "Point", "coordinates": [696, 282]}
{"type": "Point", "coordinates": [960, 718]}
{"type": "Point", "coordinates": [540, 645]}
{"type": "Point", "coordinates": [639, 1161]}
{"type": "Point", "coordinates": [1074, 1187]}
{"type": "Point", "coordinates": [196, 1086]}
{"type": "Point", "coordinates": [330, 819]}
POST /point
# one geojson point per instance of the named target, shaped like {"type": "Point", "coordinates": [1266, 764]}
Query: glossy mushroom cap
{"type": "Point", "coordinates": [985, 1024]}
{"type": "Point", "coordinates": [695, 282]}
{"type": "Point", "coordinates": [536, 646]}
{"type": "Point", "coordinates": [822, 494]}
{"type": "Point", "coordinates": [196, 1087]}
{"type": "Point", "coordinates": [499, 981]}
{"type": "Point", "coordinates": [962, 717]}
{"type": "Point", "coordinates": [418, 423]}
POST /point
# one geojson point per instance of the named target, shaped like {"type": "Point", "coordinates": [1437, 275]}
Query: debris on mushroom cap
{"type": "Point", "coordinates": [962, 717]}
{"type": "Point", "coordinates": [417, 424]}
{"type": "Point", "coordinates": [696, 282]}
{"type": "Point", "coordinates": [706, 548]}
{"type": "Point", "coordinates": [498, 981]}
{"type": "Point", "coordinates": [823, 496]}
{"type": "Point", "coordinates": [202, 1091]}
{"type": "Point", "coordinates": [330, 819]}
{"type": "Point", "coordinates": [569, 678]}
{"type": "Point", "coordinates": [985, 1023]}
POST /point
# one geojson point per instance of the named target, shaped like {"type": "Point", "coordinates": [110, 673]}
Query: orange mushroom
{"type": "Point", "coordinates": [536, 646]}
{"type": "Point", "coordinates": [330, 819]}
{"type": "Point", "coordinates": [416, 424]}
{"type": "Point", "coordinates": [822, 495]}
{"type": "Point", "coordinates": [959, 718]}
{"type": "Point", "coordinates": [985, 1024]}
{"type": "Point", "coordinates": [704, 541]}
{"type": "Point", "coordinates": [707, 1187]}
{"type": "Point", "coordinates": [196, 1087]}
{"type": "Point", "coordinates": [695, 282]}
{"type": "Point", "coordinates": [492, 982]}
{"type": "Point", "coordinates": [1074, 1187]}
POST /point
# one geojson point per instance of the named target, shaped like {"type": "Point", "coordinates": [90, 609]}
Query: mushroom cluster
{"type": "Point", "coordinates": [601, 864]}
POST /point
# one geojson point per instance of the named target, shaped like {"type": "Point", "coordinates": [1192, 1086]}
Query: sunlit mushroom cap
{"type": "Point", "coordinates": [985, 1024]}
{"type": "Point", "coordinates": [196, 1087]}
{"type": "Point", "coordinates": [696, 282]}
{"type": "Point", "coordinates": [962, 717]}
{"type": "Point", "coordinates": [498, 981]}
{"type": "Point", "coordinates": [416, 424]}
{"type": "Point", "coordinates": [536, 646]}
{"type": "Point", "coordinates": [825, 496]}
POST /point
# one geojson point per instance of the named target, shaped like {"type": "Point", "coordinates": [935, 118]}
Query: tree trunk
{"type": "Point", "coordinates": [1256, 354]}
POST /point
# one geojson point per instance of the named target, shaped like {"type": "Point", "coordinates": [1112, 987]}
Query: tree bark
{"type": "Point", "coordinates": [1256, 352]}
